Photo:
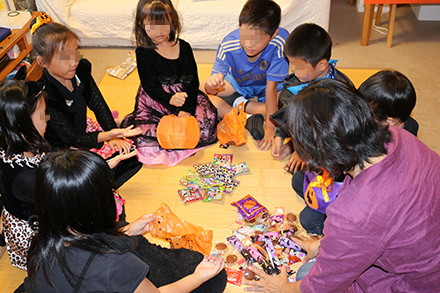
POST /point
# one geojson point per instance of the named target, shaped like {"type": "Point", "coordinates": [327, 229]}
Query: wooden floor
{"type": "Point", "coordinates": [267, 182]}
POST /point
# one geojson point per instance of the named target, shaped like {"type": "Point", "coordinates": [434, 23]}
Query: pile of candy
{"type": "Point", "coordinates": [210, 181]}
{"type": "Point", "coordinates": [260, 239]}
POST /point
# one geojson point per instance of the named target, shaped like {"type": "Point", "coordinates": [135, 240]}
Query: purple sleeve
{"type": "Point", "coordinates": [345, 253]}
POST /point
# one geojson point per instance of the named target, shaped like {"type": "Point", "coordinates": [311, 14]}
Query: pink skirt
{"type": "Point", "coordinates": [147, 114]}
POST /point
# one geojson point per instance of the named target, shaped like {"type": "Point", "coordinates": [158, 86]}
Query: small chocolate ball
{"type": "Point", "coordinates": [291, 217]}
{"type": "Point", "coordinates": [248, 275]}
{"type": "Point", "coordinates": [221, 246]}
{"type": "Point", "coordinates": [231, 259]}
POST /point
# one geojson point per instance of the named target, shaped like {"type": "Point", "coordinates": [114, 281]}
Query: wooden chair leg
{"type": "Point", "coordinates": [367, 23]}
{"type": "Point", "coordinates": [393, 8]}
{"type": "Point", "coordinates": [351, 2]}
{"type": "Point", "coordinates": [378, 14]}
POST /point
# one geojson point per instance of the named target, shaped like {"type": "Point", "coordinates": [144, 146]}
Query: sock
{"type": "Point", "coordinates": [239, 100]}
{"type": "Point", "coordinates": [255, 125]}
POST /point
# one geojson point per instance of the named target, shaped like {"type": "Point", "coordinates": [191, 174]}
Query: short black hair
{"type": "Point", "coordinates": [333, 127]}
{"type": "Point", "coordinates": [309, 42]}
{"type": "Point", "coordinates": [264, 14]}
{"type": "Point", "coordinates": [390, 94]}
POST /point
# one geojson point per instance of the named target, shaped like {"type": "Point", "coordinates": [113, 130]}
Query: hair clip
{"type": "Point", "coordinates": [42, 18]}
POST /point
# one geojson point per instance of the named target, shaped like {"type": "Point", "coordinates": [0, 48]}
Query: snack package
{"type": "Point", "coordinates": [234, 276]}
{"type": "Point", "coordinates": [127, 67]}
{"type": "Point", "coordinates": [240, 168]}
{"type": "Point", "coordinates": [178, 232]}
{"type": "Point", "coordinates": [249, 207]}
{"type": "Point", "coordinates": [223, 159]}
{"type": "Point", "coordinates": [205, 169]}
{"type": "Point", "coordinates": [189, 195]}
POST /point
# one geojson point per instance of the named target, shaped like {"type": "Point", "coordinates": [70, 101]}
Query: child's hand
{"type": "Point", "coordinates": [120, 145]}
{"type": "Point", "coordinates": [295, 163]}
{"type": "Point", "coordinates": [178, 99]}
{"type": "Point", "coordinates": [209, 267]}
{"type": "Point", "coordinates": [214, 83]}
{"type": "Point", "coordinates": [267, 141]}
{"type": "Point", "coordinates": [183, 114]}
{"type": "Point", "coordinates": [130, 131]}
{"type": "Point", "coordinates": [139, 226]}
{"type": "Point", "coordinates": [276, 147]}
{"type": "Point", "coordinates": [121, 157]}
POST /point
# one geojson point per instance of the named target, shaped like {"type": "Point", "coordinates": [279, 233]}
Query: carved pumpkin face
{"type": "Point", "coordinates": [177, 132]}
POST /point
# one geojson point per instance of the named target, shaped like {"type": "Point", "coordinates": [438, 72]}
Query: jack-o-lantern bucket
{"type": "Point", "coordinates": [177, 132]}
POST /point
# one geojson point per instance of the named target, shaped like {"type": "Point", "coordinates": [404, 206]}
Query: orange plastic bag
{"type": "Point", "coordinates": [178, 232]}
{"type": "Point", "coordinates": [177, 132]}
{"type": "Point", "coordinates": [231, 129]}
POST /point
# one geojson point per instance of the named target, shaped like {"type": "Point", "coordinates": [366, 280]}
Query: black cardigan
{"type": "Point", "coordinates": [62, 130]}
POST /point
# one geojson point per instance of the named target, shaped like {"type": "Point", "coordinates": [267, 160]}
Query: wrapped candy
{"type": "Point", "coordinates": [189, 195]}
{"type": "Point", "coordinates": [249, 207]}
{"type": "Point", "coordinates": [223, 159]}
{"type": "Point", "coordinates": [240, 168]}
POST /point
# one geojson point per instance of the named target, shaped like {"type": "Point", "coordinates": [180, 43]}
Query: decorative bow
{"type": "Point", "coordinates": [42, 18]}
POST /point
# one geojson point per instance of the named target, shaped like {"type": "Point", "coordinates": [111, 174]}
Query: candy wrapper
{"type": "Point", "coordinates": [229, 187]}
{"type": "Point", "coordinates": [249, 207]}
{"type": "Point", "coordinates": [223, 159]}
{"type": "Point", "coordinates": [189, 195]}
{"type": "Point", "coordinates": [123, 70]}
{"type": "Point", "coordinates": [205, 169]}
{"type": "Point", "coordinates": [234, 276]}
{"type": "Point", "coordinates": [240, 168]}
{"type": "Point", "coordinates": [223, 174]}
{"type": "Point", "coordinates": [214, 193]}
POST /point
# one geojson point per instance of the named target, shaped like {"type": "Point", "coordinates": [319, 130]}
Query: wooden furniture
{"type": "Point", "coordinates": [369, 12]}
{"type": "Point", "coordinates": [19, 37]}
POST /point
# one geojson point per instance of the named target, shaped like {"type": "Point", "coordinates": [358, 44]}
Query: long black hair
{"type": "Point", "coordinates": [333, 127]}
{"type": "Point", "coordinates": [18, 100]}
{"type": "Point", "coordinates": [75, 203]}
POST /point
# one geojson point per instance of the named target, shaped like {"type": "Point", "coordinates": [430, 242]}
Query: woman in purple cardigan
{"type": "Point", "coordinates": [381, 233]}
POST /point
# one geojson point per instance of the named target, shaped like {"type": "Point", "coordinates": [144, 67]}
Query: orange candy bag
{"type": "Point", "coordinates": [231, 129]}
{"type": "Point", "coordinates": [178, 232]}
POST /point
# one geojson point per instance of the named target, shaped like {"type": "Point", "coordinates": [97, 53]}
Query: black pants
{"type": "Point", "coordinates": [125, 170]}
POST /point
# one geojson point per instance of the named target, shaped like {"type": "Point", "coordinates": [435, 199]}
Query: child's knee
{"type": "Point", "coordinates": [298, 183]}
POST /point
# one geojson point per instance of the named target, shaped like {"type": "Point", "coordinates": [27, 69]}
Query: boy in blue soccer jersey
{"type": "Point", "coordinates": [250, 63]}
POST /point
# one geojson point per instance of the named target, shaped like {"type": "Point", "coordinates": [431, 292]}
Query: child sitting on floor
{"type": "Point", "coordinates": [392, 97]}
{"type": "Point", "coordinates": [79, 248]}
{"type": "Point", "coordinates": [70, 90]}
{"type": "Point", "coordinates": [169, 83]}
{"type": "Point", "coordinates": [308, 49]}
{"type": "Point", "coordinates": [250, 62]}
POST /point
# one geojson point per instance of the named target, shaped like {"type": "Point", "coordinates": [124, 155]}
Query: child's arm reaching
{"type": "Point", "coordinates": [214, 83]}
{"type": "Point", "coordinates": [271, 107]}
{"type": "Point", "coordinates": [281, 150]}
{"type": "Point", "coordinates": [295, 163]}
{"type": "Point", "coordinates": [209, 267]}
